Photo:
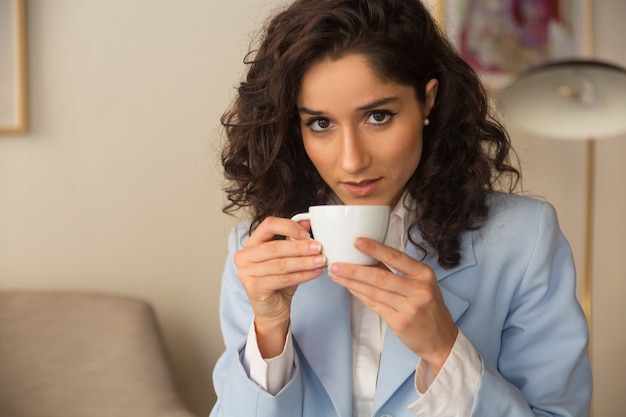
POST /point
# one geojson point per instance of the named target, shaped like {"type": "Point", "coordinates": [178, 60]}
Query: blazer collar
{"type": "Point", "coordinates": [468, 257]}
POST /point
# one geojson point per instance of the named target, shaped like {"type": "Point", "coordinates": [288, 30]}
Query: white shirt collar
{"type": "Point", "coordinates": [399, 222]}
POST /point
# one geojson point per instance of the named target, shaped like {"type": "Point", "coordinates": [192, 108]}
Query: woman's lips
{"type": "Point", "coordinates": [363, 188]}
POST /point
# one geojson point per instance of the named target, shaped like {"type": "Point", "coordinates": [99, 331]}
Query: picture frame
{"type": "Point", "coordinates": [13, 98]}
{"type": "Point", "coordinates": [501, 39]}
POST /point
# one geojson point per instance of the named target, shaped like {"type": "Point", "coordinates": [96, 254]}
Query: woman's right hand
{"type": "Point", "coordinates": [270, 271]}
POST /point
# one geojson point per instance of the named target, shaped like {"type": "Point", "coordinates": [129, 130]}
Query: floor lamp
{"type": "Point", "coordinates": [582, 100]}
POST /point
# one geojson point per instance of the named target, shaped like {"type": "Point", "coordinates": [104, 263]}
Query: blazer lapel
{"type": "Point", "coordinates": [321, 327]}
{"type": "Point", "coordinates": [397, 362]}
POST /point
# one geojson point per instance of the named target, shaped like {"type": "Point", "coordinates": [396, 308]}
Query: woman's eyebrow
{"type": "Point", "coordinates": [309, 111]}
{"type": "Point", "coordinates": [370, 106]}
{"type": "Point", "coordinates": [379, 103]}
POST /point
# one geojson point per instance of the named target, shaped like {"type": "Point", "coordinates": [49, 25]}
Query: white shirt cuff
{"type": "Point", "coordinates": [453, 390]}
{"type": "Point", "coordinates": [270, 374]}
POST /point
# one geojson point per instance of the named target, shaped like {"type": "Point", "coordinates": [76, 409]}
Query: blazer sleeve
{"type": "Point", "coordinates": [543, 365]}
{"type": "Point", "coordinates": [237, 394]}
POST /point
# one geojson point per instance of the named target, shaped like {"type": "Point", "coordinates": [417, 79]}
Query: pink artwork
{"type": "Point", "coordinates": [500, 38]}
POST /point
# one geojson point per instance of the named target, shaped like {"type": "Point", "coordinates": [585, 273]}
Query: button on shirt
{"type": "Point", "coordinates": [451, 392]}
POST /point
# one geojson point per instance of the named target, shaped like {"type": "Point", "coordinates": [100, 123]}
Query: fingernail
{"type": "Point", "coordinates": [359, 242]}
{"type": "Point", "coordinates": [320, 260]}
{"type": "Point", "coordinates": [315, 246]}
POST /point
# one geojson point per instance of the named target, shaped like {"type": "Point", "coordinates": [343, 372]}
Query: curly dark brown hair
{"type": "Point", "coordinates": [466, 152]}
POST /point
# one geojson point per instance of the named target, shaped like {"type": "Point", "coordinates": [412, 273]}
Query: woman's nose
{"type": "Point", "coordinates": [354, 156]}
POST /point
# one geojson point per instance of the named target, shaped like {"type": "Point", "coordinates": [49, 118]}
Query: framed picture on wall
{"type": "Point", "coordinates": [500, 38]}
{"type": "Point", "coordinates": [12, 67]}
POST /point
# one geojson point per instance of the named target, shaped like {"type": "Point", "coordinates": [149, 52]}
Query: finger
{"type": "Point", "coordinates": [359, 277]}
{"type": "Point", "coordinates": [386, 311]}
{"type": "Point", "coordinates": [273, 226]}
{"type": "Point", "coordinates": [370, 295]}
{"type": "Point", "coordinates": [255, 284]}
{"type": "Point", "coordinates": [284, 265]}
{"type": "Point", "coordinates": [277, 249]}
{"type": "Point", "coordinates": [383, 286]}
{"type": "Point", "coordinates": [400, 311]}
{"type": "Point", "coordinates": [305, 223]}
{"type": "Point", "coordinates": [392, 257]}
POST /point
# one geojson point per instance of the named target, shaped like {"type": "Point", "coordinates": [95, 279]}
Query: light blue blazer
{"type": "Point", "coordinates": [513, 296]}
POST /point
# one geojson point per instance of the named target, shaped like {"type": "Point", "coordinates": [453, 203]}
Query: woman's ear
{"type": "Point", "coordinates": [431, 95]}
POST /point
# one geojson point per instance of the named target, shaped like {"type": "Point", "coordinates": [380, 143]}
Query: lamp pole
{"type": "Point", "coordinates": [589, 238]}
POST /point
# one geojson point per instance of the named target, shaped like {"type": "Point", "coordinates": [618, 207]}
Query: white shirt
{"type": "Point", "coordinates": [451, 393]}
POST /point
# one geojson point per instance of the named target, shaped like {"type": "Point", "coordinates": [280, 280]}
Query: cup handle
{"type": "Point", "coordinates": [301, 216]}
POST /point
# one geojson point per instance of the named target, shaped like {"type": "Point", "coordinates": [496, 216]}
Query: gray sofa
{"type": "Point", "coordinates": [72, 354]}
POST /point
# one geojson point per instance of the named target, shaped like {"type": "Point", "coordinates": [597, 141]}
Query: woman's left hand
{"type": "Point", "coordinates": [412, 305]}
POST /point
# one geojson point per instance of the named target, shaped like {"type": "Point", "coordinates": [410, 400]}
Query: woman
{"type": "Point", "coordinates": [471, 310]}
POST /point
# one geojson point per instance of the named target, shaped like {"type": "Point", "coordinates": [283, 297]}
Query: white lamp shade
{"type": "Point", "coordinates": [572, 100]}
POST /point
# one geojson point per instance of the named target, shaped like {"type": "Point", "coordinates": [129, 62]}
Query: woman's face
{"type": "Point", "coordinates": [363, 135]}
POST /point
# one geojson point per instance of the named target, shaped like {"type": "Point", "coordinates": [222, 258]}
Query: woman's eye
{"type": "Point", "coordinates": [319, 125]}
{"type": "Point", "coordinates": [379, 117]}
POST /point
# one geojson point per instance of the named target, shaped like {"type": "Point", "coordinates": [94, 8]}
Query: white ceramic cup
{"type": "Point", "coordinates": [337, 227]}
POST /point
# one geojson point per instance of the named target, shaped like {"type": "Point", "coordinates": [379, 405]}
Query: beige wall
{"type": "Point", "coordinates": [117, 187]}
